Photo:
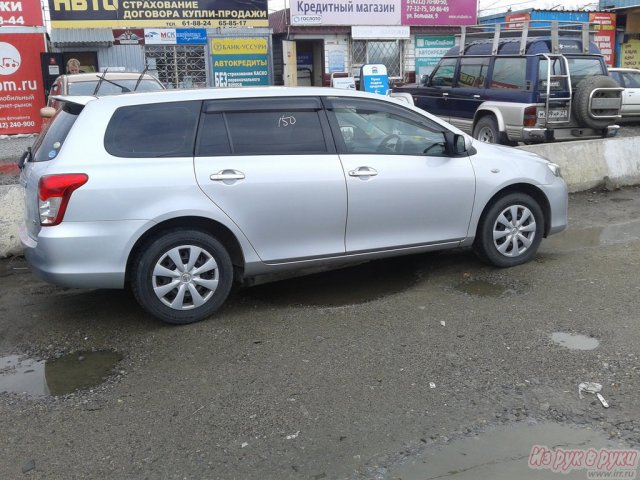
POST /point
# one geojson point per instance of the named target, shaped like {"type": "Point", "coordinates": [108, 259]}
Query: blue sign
{"type": "Point", "coordinates": [191, 36]}
{"type": "Point", "coordinates": [374, 79]}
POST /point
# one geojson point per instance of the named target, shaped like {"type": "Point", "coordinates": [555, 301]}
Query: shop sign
{"type": "Point", "coordinates": [21, 13]}
{"type": "Point", "coordinates": [128, 36]}
{"type": "Point", "coordinates": [384, 12]}
{"type": "Point", "coordinates": [239, 62]}
{"type": "Point", "coordinates": [158, 13]}
{"type": "Point", "coordinates": [439, 12]}
{"type": "Point", "coordinates": [21, 90]}
{"type": "Point", "coordinates": [630, 54]}
{"type": "Point", "coordinates": [374, 79]}
{"type": "Point", "coordinates": [175, 36]}
{"type": "Point", "coordinates": [605, 37]}
{"type": "Point", "coordinates": [517, 20]}
{"type": "Point", "coordinates": [429, 50]}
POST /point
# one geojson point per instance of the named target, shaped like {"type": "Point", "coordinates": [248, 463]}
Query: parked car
{"type": "Point", "coordinates": [181, 193]}
{"type": "Point", "coordinates": [514, 86]}
{"type": "Point", "coordinates": [629, 78]}
{"type": "Point", "coordinates": [105, 83]}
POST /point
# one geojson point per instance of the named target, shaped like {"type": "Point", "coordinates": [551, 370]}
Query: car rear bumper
{"type": "Point", "coordinates": [83, 254]}
{"type": "Point", "coordinates": [542, 134]}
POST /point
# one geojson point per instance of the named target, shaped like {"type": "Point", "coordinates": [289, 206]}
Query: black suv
{"type": "Point", "coordinates": [529, 84]}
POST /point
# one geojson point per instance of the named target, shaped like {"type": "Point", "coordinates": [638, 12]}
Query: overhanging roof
{"type": "Point", "coordinates": [81, 37]}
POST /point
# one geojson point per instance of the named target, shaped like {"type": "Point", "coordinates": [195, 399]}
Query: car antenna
{"type": "Point", "coordinates": [101, 77]}
{"type": "Point", "coordinates": [140, 78]}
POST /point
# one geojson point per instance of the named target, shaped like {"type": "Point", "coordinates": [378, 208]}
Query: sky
{"type": "Point", "coordinates": [490, 7]}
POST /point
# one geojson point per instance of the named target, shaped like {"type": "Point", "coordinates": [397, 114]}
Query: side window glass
{"type": "Point", "coordinates": [212, 138]}
{"type": "Point", "coordinates": [369, 131]}
{"type": "Point", "coordinates": [154, 130]}
{"type": "Point", "coordinates": [443, 74]}
{"type": "Point", "coordinates": [509, 73]}
{"type": "Point", "coordinates": [275, 132]}
{"type": "Point", "coordinates": [618, 78]}
{"type": "Point", "coordinates": [632, 80]}
{"type": "Point", "coordinates": [473, 72]}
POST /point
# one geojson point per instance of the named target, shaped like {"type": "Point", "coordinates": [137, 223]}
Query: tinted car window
{"type": "Point", "coordinates": [154, 130]}
{"type": "Point", "coordinates": [275, 132]}
{"type": "Point", "coordinates": [113, 87]}
{"type": "Point", "coordinates": [510, 73]}
{"type": "Point", "coordinates": [443, 75]}
{"type": "Point", "coordinates": [473, 72]}
{"type": "Point", "coordinates": [584, 67]}
{"type": "Point", "coordinates": [52, 137]}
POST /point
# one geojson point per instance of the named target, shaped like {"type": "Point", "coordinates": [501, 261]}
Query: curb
{"type": "Point", "coordinates": [585, 164]}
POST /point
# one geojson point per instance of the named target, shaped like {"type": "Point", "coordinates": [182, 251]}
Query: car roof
{"type": "Point", "coordinates": [89, 77]}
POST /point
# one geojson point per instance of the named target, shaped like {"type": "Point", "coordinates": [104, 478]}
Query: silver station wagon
{"type": "Point", "coordinates": [180, 193]}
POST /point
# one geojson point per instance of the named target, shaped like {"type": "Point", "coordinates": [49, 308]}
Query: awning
{"type": "Point", "coordinates": [81, 37]}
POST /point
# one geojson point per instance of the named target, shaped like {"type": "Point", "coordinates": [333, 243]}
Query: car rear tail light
{"type": "Point", "coordinates": [530, 117]}
{"type": "Point", "coordinates": [54, 192]}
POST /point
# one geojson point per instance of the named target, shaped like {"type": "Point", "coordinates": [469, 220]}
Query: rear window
{"type": "Point", "coordinates": [155, 130]}
{"type": "Point", "coordinates": [50, 140]}
{"type": "Point", "coordinates": [584, 67]}
{"type": "Point", "coordinates": [113, 87]}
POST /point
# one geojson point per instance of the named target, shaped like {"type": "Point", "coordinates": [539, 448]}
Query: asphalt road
{"type": "Point", "coordinates": [354, 374]}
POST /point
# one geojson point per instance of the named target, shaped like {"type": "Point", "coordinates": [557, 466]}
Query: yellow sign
{"type": "Point", "coordinates": [239, 46]}
{"type": "Point", "coordinates": [630, 57]}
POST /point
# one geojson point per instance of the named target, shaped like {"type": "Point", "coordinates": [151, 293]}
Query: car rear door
{"type": "Point", "coordinates": [403, 188]}
{"type": "Point", "coordinates": [271, 166]}
{"type": "Point", "coordinates": [631, 94]}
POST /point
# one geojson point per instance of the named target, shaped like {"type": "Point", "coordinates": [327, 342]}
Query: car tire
{"type": "Point", "coordinates": [582, 97]}
{"type": "Point", "coordinates": [194, 263]}
{"type": "Point", "coordinates": [486, 130]}
{"type": "Point", "coordinates": [510, 231]}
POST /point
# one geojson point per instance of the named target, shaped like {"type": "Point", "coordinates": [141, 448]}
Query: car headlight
{"type": "Point", "coordinates": [555, 169]}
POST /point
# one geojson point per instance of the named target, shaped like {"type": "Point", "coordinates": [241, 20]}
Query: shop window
{"type": "Point", "coordinates": [178, 66]}
{"type": "Point", "coordinates": [387, 53]}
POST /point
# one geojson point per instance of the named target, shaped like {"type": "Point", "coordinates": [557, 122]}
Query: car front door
{"type": "Point", "coordinates": [267, 164]}
{"type": "Point", "coordinates": [631, 94]}
{"type": "Point", "coordinates": [404, 190]}
{"type": "Point", "coordinates": [434, 97]}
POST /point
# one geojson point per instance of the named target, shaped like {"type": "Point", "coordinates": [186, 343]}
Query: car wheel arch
{"type": "Point", "coordinates": [526, 188]}
{"type": "Point", "coordinates": [216, 229]}
{"type": "Point", "coordinates": [485, 110]}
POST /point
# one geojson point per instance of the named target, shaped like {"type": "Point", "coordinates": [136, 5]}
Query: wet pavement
{"type": "Point", "coordinates": [433, 366]}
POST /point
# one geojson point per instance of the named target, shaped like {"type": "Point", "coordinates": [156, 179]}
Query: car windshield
{"type": "Point", "coordinates": [115, 88]}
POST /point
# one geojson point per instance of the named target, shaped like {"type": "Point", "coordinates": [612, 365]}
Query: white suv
{"type": "Point", "coordinates": [180, 193]}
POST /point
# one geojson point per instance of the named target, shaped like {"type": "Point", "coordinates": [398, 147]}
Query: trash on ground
{"type": "Point", "coordinates": [595, 388]}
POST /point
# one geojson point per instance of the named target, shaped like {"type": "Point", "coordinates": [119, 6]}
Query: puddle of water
{"type": "Point", "coordinates": [59, 376]}
{"type": "Point", "coordinates": [502, 454]}
{"type": "Point", "coordinates": [572, 239]}
{"type": "Point", "coordinates": [574, 341]}
{"type": "Point", "coordinates": [482, 288]}
{"type": "Point", "coordinates": [347, 286]}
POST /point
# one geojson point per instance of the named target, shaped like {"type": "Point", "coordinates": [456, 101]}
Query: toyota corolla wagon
{"type": "Point", "coordinates": [179, 194]}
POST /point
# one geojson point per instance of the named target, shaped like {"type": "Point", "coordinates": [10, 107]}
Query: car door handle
{"type": "Point", "coordinates": [476, 96]}
{"type": "Point", "coordinates": [445, 94]}
{"type": "Point", "coordinates": [363, 172]}
{"type": "Point", "coordinates": [223, 175]}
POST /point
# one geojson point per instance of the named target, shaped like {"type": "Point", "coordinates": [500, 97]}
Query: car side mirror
{"type": "Point", "coordinates": [47, 112]}
{"type": "Point", "coordinates": [459, 144]}
{"type": "Point", "coordinates": [424, 80]}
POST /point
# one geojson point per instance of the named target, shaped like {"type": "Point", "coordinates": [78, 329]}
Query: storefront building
{"type": "Point", "coordinates": [314, 40]}
{"type": "Point", "coordinates": [177, 41]}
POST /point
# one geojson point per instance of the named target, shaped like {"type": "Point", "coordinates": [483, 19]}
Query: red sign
{"type": "Point", "coordinates": [605, 37]}
{"type": "Point", "coordinates": [516, 20]}
{"type": "Point", "coordinates": [21, 91]}
{"type": "Point", "coordinates": [21, 13]}
{"type": "Point", "coordinates": [128, 36]}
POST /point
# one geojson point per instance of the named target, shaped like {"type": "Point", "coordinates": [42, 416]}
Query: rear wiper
{"type": "Point", "coordinates": [141, 76]}
{"type": "Point", "coordinates": [101, 77]}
